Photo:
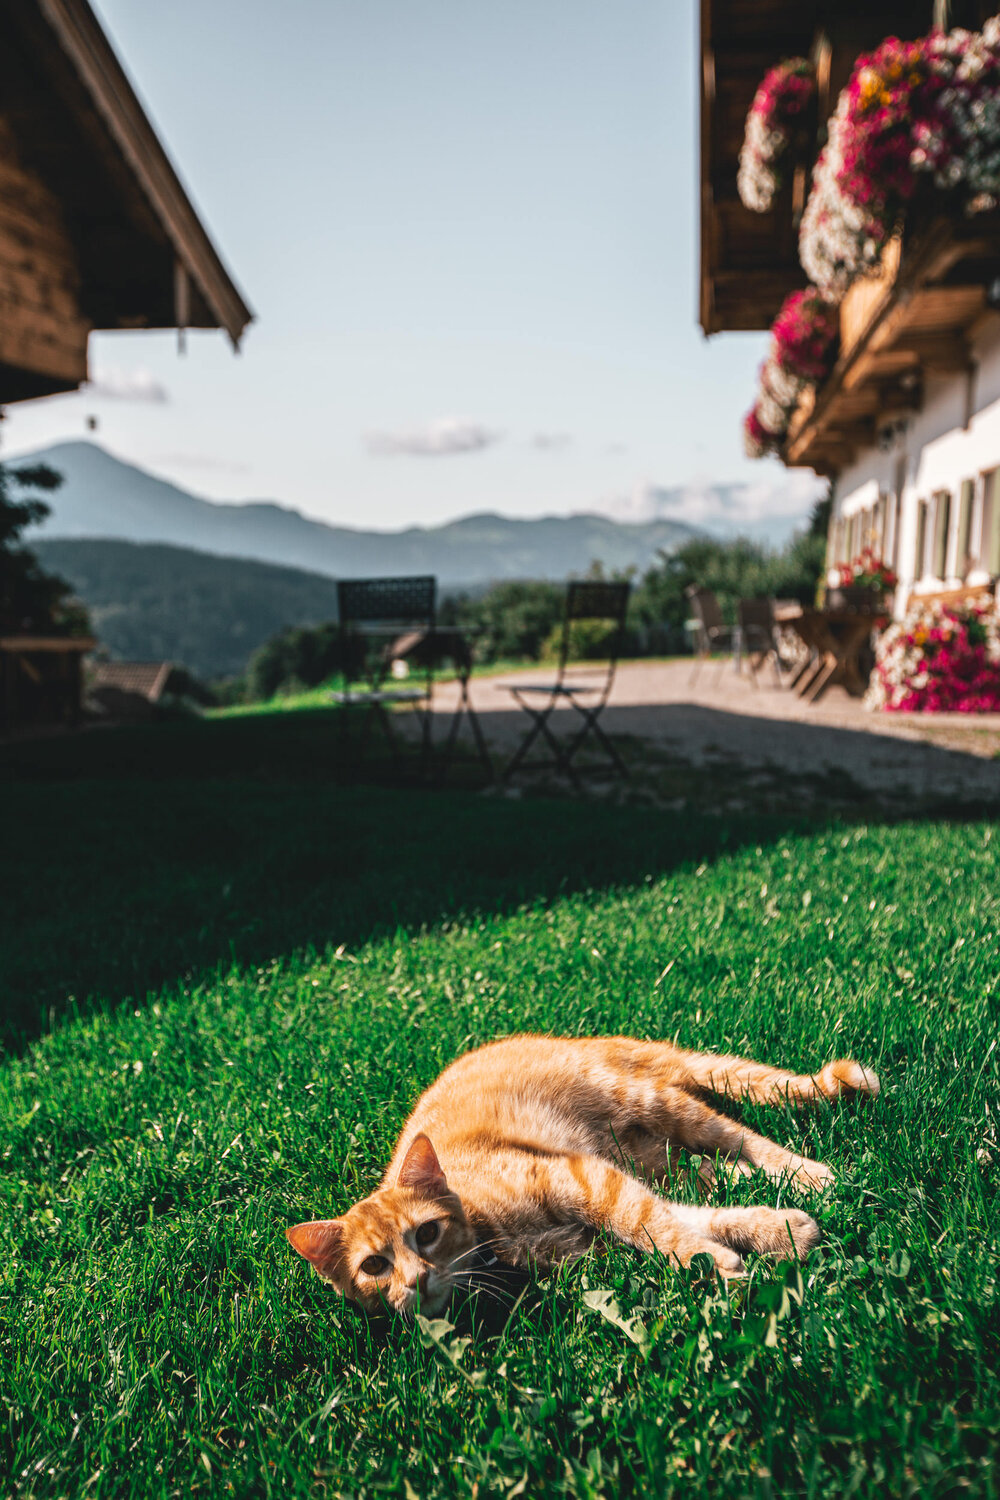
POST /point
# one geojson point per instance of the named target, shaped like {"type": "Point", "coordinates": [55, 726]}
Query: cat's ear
{"type": "Point", "coordinates": [321, 1243]}
{"type": "Point", "coordinates": [421, 1169]}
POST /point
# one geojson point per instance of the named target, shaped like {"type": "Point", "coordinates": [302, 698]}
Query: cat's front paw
{"type": "Point", "coordinates": [797, 1232]}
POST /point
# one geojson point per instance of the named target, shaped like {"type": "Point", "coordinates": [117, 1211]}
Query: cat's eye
{"type": "Point", "coordinates": [427, 1233]}
{"type": "Point", "coordinates": [375, 1265]}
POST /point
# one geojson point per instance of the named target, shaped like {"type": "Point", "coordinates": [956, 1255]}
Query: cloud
{"type": "Point", "coordinates": [139, 384]}
{"type": "Point", "coordinates": [440, 439]}
{"type": "Point", "coordinates": [718, 506]}
{"type": "Point", "coordinates": [550, 442]}
{"type": "Point", "coordinates": [200, 461]}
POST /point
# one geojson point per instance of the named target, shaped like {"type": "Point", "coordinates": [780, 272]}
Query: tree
{"type": "Point", "coordinates": [511, 621]}
{"type": "Point", "coordinates": [733, 570]}
{"type": "Point", "coordinates": [300, 657]}
{"type": "Point", "coordinates": [31, 600]}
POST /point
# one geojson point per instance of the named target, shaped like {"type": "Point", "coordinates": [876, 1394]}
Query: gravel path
{"type": "Point", "coordinates": [764, 741]}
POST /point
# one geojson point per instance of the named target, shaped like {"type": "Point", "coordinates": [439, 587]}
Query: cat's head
{"type": "Point", "coordinates": [402, 1249]}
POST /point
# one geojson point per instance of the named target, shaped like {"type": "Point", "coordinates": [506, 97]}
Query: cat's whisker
{"type": "Point", "coordinates": [473, 1250]}
{"type": "Point", "coordinates": [492, 1284]}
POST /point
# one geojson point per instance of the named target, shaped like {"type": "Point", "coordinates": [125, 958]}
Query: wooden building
{"type": "Point", "coordinates": [96, 230]}
{"type": "Point", "coordinates": [908, 422]}
{"type": "Point", "coordinates": [142, 690]}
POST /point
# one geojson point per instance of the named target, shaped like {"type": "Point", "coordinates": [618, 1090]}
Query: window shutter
{"type": "Point", "coordinates": [918, 557]}
{"type": "Point", "coordinates": [963, 545]}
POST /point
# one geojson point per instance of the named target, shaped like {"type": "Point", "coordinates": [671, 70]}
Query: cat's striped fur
{"type": "Point", "coordinates": [534, 1144]}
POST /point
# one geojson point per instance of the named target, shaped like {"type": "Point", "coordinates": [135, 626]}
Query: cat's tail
{"type": "Point", "coordinates": [739, 1078]}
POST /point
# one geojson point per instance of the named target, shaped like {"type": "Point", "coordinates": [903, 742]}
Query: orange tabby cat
{"type": "Point", "coordinates": [520, 1148]}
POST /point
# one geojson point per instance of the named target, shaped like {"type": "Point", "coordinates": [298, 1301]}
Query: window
{"type": "Point", "coordinates": [963, 539]}
{"type": "Point", "coordinates": [942, 520]}
{"type": "Point", "coordinates": [879, 530]}
{"type": "Point", "coordinates": [895, 514]}
{"type": "Point", "coordinates": [919, 551]}
{"type": "Point", "coordinates": [989, 529]}
{"type": "Point", "coordinates": [890, 545]}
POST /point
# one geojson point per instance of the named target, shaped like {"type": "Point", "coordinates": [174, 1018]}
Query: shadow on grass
{"type": "Point", "coordinates": [139, 857]}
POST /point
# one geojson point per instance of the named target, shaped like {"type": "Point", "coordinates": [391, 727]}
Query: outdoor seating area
{"type": "Point", "coordinates": [832, 640]}
{"type": "Point", "coordinates": [592, 723]}
{"type": "Point", "coordinates": [392, 651]}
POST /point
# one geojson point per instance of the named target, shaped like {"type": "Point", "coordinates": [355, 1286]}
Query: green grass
{"type": "Point", "coordinates": [267, 969]}
{"type": "Point", "coordinates": [319, 697]}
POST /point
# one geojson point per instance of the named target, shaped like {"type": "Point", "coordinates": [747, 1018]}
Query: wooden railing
{"type": "Point", "coordinates": [866, 295]}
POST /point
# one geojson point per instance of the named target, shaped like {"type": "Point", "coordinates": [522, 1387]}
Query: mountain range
{"type": "Point", "coordinates": [102, 496]}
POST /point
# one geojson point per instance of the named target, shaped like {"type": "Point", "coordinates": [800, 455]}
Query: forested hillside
{"type": "Point", "coordinates": [152, 602]}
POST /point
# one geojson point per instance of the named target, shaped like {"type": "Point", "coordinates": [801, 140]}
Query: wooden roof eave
{"type": "Point", "coordinates": [706, 301]}
{"type": "Point", "coordinates": [92, 57]}
{"type": "Point", "coordinates": [909, 320]}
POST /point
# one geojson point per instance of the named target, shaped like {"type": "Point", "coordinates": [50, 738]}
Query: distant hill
{"type": "Point", "coordinates": [152, 603]}
{"type": "Point", "coordinates": [103, 497]}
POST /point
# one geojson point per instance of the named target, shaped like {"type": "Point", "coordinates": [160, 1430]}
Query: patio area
{"type": "Point", "coordinates": [749, 743]}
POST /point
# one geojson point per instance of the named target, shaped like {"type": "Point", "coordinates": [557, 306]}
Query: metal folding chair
{"type": "Point", "coordinates": [758, 638]}
{"type": "Point", "coordinates": [373, 614]}
{"type": "Point", "coordinates": [585, 600]}
{"type": "Point", "coordinates": [713, 633]}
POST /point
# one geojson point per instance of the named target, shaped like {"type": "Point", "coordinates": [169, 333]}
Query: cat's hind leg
{"type": "Point", "coordinates": [683, 1119]}
{"type": "Point", "coordinates": [741, 1078]}
{"type": "Point", "coordinates": [654, 1159]}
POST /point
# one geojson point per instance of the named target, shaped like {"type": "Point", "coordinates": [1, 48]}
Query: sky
{"type": "Point", "coordinates": [469, 235]}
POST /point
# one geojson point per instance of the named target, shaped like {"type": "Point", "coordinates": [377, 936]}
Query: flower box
{"type": "Point", "coordinates": [942, 658]}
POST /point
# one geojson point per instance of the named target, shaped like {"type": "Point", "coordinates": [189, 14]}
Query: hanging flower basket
{"type": "Point", "coordinates": [779, 130]}
{"type": "Point", "coordinates": [913, 114]}
{"type": "Point", "coordinates": [803, 350]}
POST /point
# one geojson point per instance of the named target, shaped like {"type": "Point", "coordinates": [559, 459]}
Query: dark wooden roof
{"type": "Point", "coordinates": [94, 208]}
{"type": "Point", "coordinates": [147, 678]}
{"type": "Point", "coordinates": [749, 261]}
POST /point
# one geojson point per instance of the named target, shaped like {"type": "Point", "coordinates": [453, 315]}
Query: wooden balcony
{"type": "Point", "coordinates": [916, 316]}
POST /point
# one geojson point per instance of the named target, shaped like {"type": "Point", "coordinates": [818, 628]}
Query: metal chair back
{"type": "Point", "coordinates": [396, 601]}
{"type": "Point", "coordinates": [756, 618]}
{"type": "Point", "coordinates": [372, 613]}
{"type": "Point", "coordinates": [595, 600]}
{"type": "Point", "coordinates": [707, 611]}
{"type": "Point", "coordinates": [758, 640]}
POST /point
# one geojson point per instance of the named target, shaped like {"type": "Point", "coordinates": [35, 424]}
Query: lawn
{"type": "Point", "coordinates": [266, 969]}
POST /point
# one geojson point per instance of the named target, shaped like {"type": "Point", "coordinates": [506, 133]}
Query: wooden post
{"type": "Point", "coordinates": [182, 304]}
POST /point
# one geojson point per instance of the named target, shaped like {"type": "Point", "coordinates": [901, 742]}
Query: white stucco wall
{"type": "Point", "coordinates": [935, 450]}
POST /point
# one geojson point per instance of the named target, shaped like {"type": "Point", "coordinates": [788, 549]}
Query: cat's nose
{"type": "Point", "coordinates": [417, 1283]}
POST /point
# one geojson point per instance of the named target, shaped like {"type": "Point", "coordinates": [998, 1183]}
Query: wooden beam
{"type": "Point", "coordinates": [946, 352]}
